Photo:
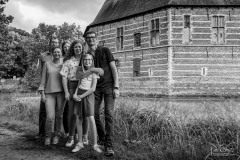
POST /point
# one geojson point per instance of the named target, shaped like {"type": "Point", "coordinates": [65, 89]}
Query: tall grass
{"type": "Point", "coordinates": [161, 130]}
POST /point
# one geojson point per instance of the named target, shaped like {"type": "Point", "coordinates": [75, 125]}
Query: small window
{"type": "Point", "coordinates": [101, 43]}
{"type": "Point", "coordinates": [120, 38]}
{"type": "Point", "coordinates": [136, 67]}
{"type": "Point", "coordinates": [204, 71]}
{"type": "Point", "coordinates": [137, 39]}
{"type": "Point", "coordinates": [186, 21]}
{"type": "Point", "coordinates": [150, 72]}
{"type": "Point", "coordinates": [154, 32]}
{"type": "Point", "coordinates": [218, 29]}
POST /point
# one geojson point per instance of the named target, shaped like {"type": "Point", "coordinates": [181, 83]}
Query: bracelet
{"type": "Point", "coordinates": [116, 87]}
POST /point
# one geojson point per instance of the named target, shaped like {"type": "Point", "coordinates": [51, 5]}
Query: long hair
{"type": "Point", "coordinates": [84, 47]}
{"type": "Point", "coordinates": [63, 44]}
{"type": "Point", "coordinates": [84, 57]}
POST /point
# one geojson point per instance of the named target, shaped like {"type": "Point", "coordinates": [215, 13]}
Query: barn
{"type": "Point", "coordinates": [173, 47]}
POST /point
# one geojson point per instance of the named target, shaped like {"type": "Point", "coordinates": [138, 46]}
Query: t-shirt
{"type": "Point", "coordinates": [86, 83]}
{"type": "Point", "coordinates": [51, 80]}
{"type": "Point", "coordinates": [103, 57]}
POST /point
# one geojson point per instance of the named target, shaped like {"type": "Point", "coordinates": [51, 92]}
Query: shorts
{"type": "Point", "coordinates": [85, 107]}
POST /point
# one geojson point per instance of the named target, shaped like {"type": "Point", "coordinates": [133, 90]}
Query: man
{"type": "Point", "coordinates": [45, 57]}
{"type": "Point", "coordinates": [107, 89]}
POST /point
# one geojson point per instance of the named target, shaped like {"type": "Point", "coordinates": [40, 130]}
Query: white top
{"type": "Point", "coordinates": [86, 83]}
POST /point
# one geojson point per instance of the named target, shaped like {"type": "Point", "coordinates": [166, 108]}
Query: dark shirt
{"type": "Point", "coordinates": [102, 59]}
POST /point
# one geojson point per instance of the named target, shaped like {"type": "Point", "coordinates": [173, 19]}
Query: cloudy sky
{"type": "Point", "coordinates": [29, 13]}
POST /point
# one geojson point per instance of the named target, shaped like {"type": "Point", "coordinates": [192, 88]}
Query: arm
{"type": "Point", "coordinates": [43, 82]}
{"type": "Point", "coordinates": [65, 88]}
{"type": "Point", "coordinates": [91, 90]}
{"type": "Point", "coordinates": [115, 78]}
{"type": "Point", "coordinates": [80, 75]}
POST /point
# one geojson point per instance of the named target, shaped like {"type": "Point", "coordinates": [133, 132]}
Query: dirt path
{"type": "Point", "coordinates": [19, 146]}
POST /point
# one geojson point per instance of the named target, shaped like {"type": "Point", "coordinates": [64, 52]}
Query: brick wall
{"type": "Point", "coordinates": [220, 59]}
{"type": "Point", "coordinates": [177, 65]}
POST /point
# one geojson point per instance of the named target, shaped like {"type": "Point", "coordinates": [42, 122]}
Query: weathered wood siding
{"type": "Point", "coordinates": [221, 60]}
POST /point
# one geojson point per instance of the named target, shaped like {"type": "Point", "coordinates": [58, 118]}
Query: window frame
{"type": "Point", "coordinates": [155, 31]}
{"type": "Point", "coordinates": [119, 38]}
{"type": "Point", "coordinates": [217, 26]}
{"type": "Point", "coordinates": [137, 39]}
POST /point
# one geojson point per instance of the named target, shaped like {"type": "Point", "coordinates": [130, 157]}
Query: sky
{"type": "Point", "coordinates": [29, 13]}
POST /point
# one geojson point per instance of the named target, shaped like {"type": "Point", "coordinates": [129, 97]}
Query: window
{"type": "Point", "coordinates": [136, 67]}
{"type": "Point", "coordinates": [120, 38]}
{"type": "Point", "coordinates": [154, 32]}
{"type": "Point", "coordinates": [137, 40]}
{"type": "Point", "coordinates": [101, 43]}
{"type": "Point", "coordinates": [186, 29]}
{"type": "Point", "coordinates": [204, 71]}
{"type": "Point", "coordinates": [186, 21]}
{"type": "Point", "coordinates": [218, 29]}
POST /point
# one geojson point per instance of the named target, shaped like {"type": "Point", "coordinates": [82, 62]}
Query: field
{"type": "Point", "coordinates": [176, 129]}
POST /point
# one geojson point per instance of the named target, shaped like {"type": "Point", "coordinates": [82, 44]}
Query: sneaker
{"type": "Point", "coordinates": [109, 151]}
{"type": "Point", "coordinates": [85, 141]}
{"type": "Point", "coordinates": [70, 143]}
{"type": "Point", "coordinates": [78, 147]}
{"type": "Point", "coordinates": [47, 141]}
{"type": "Point", "coordinates": [55, 140]}
{"type": "Point", "coordinates": [97, 148]}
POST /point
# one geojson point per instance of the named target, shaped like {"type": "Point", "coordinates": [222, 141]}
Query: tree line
{"type": "Point", "coordinates": [19, 50]}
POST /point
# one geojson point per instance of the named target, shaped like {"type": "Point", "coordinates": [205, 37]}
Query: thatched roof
{"type": "Point", "coordinates": [118, 9]}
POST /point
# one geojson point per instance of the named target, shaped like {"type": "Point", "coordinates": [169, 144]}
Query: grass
{"type": "Point", "coordinates": [158, 129]}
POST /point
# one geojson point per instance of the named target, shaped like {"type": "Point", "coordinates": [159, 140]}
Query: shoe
{"type": "Point", "coordinates": [70, 143]}
{"type": "Point", "coordinates": [55, 140]}
{"type": "Point", "coordinates": [39, 136]}
{"type": "Point", "coordinates": [47, 141]}
{"type": "Point", "coordinates": [97, 148]}
{"type": "Point", "coordinates": [109, 151]}
{"type": "Point", "coordinates": [85, 141]}
{"type": "Point", "coordinates": [78, 147]}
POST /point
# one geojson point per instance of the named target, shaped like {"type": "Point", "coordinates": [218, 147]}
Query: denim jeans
{"type": "Point", "coordinates": [105, 135]}
{"type": "Point", "coordinates": [42, 119]}
{"type": "Point", "coordinates": [66, 123]}
{"type": "Point", "coordinates": [54, 106]}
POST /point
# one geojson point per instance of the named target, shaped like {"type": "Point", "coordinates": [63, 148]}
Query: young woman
{"type": "Point", "coordinates": [84, 107]}
{"type": "Point", "coordinates": [68, 72]}
{"type": "Point", "coordinates": [66, 119]}
{"type": "Point", "coordinates": [52, 94]}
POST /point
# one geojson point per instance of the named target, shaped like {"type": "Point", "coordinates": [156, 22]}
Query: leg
{"type": "Point", "coordinates": [59, 113]}
{"type": "Point", "coordinates": [50, 109]}
{"type": "Point", "coordinates": [65, 119]}
{"type": "Point", "coordinates": [42, 119]}
{"type": "Point", "coordinates": [85, 126]}
{"type": "Point", "coordinates": [99, 125]}
{"type": "Point", "coordinates": [79, 145]}
{"type": "Point", "coordinates": [108, 112]}
{"type": "Point", "coordinates": [93, 130]}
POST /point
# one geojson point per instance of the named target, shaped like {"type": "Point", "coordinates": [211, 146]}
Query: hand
{"type": "Point", "coordinates": [43, 98]}
{"type": "Point", "coordinates": [116, 93]}
{"type": "Point", "coordinates": [76, 97]}
{"type": "Point", "coordinates": [99, 71]}
{"type": "Point", "coordinates": [67, 96]}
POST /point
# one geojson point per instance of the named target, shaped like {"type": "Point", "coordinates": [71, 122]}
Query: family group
{"type": "Point", "coordinates": [75, 78]}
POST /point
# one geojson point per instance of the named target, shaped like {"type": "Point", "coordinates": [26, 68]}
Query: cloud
{"type": "Point", "coordinates": [29, 13]}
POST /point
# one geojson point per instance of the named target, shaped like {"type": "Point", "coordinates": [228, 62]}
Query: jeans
{"type": "Point", "coordinates": [54, 106]}
{"type": "Point", "coordinates": [42, 119]}
{"type": "Point", "coordinates": [105, 135]}
{"type": "Point", "coordinates": [66, 123]}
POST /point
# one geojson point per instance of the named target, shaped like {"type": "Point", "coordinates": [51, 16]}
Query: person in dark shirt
{"type": "Point", "coordinates": [107, 89]}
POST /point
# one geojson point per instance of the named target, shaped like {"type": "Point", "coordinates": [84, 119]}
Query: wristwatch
{"type": "Point", "coordinates": [116, 87]}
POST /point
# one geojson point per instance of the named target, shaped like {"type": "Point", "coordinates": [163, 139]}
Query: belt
{"type": "Point", "coordinates": [73, 80]}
